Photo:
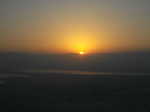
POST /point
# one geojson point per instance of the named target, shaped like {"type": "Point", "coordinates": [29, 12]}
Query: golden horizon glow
{"type": "Point", "coordinates": [79, 39]}
{"type": "Point", "coordinates": [82, 53]}
{"type": "Point", "coordinates": [72, 26]}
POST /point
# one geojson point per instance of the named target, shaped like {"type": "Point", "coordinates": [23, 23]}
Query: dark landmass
{"type": "Point", "coordinates": [114, 62]}
{"type": "Point", "coordinates": [24, 91]}
{"type": "Point", "coordinates": [43, 92]}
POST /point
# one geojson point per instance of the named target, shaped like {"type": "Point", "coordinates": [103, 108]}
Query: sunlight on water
{"type": "Point", "coordinates": [71, 72]}
{"type": "Point", "coordinates": [78, 72]}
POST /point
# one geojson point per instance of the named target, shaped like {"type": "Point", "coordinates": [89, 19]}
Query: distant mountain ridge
{"type": "Point", "coordinates": [111, 62]}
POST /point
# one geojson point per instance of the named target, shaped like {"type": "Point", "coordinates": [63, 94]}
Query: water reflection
{"type": "Point", "coordinates": [78, 72]}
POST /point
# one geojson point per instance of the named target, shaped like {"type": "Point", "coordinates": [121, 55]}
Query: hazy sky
{"type": "Point", "coordinates": [70, 26]}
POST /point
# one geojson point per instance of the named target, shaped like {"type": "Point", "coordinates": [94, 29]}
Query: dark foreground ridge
{"type": "Point", "coordinates": [47, 92]}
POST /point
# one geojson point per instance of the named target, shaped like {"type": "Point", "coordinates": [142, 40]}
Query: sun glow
{"type": "Point", "coordinates": [80, 41]}
{"type": "Point", "coordinates": [82, 53]}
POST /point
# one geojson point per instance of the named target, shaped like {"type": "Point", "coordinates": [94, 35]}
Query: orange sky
{"type": "Point", "coordinates": [70, 27]}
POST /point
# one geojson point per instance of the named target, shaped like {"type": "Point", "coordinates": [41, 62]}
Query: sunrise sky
{"type": "Point", "coordinates": [73, 26]}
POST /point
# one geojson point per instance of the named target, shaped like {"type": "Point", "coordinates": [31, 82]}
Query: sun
{"type": "Point", "coordinates": [81, 52]}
